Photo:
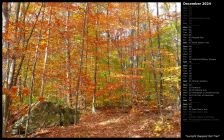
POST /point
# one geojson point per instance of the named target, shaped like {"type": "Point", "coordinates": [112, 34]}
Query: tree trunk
{"type": "Point", "coordinates": [134, 57]}
{"type": "Point", "coordinates": [80, 65]}
{"type": "Point", "coordinates": [177, 55]}
{"type": "Point", "coordinates": [45, 58]}
{"type": "Point", "coordinates": [33, 72]}
{"type": "Point", "coordinates": [10, 70]}
{"type": "Point", "coordinates": [159, 55]}
{"type": "Point", "coordinates": [68, 63]}
{"type": "Point", "coordinates": [95, 64]}
{"type": "Point", "coordinates": [108, 45]}
{"type": "Point", "coordinates": [177, 39]}
{"type": "Point", "coordinates": [12, 79]}
{"type": "Point", "coordinates": [137, 36]}
{"type": "Point", "coordinates": [26, 72]}
{"type": "Point", "coordinates": [5, 42]}
{"type": "Point", "coordinates": [25, 43]}
{"type": "Point", "coordinates": [153, 62]}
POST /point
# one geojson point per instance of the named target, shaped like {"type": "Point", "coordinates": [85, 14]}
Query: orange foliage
{"type": "Point", "coordinates": [5, 91]}
{"type": "Point", "coordinates": [13, 89]}
{"type": "Point", "coordinates": [41, 99]}
{"type": "Point", "coordinates": [25, 91]}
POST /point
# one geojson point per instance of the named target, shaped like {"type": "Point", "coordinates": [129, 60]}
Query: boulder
{"type": "Point", "coordinates": [45, 114]}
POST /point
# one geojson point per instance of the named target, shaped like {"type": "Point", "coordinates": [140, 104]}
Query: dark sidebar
{"type": "Point", "coordinates": [202, 97]}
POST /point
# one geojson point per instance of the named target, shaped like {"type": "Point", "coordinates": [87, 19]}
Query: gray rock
{"type": "Point", "coordinates": [45, 114]}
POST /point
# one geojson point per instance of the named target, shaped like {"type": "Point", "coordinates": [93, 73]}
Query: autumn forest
{"type": "Point", "coordinates": [91, 69]}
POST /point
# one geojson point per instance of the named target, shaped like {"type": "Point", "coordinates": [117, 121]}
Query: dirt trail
{"type": "Point", "coordinates": [112, 123]}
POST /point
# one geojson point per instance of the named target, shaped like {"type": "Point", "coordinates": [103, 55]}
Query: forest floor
{"type": "Point", "coordinates": [116, 123]}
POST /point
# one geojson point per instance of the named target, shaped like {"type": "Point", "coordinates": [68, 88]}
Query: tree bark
{"type": "Point", "coordinates": [68, 62]}
{"type": "Point", "coordinates": [159, 55]}
{"type": "Point", "coordinates": [108, 44]}
{"type": "Point", "coordinates": [33, 72]}
{"type": "Point", "coordinates": [25, 44]}
{"type": "Point", "coordinates": [10, 70]}
{"type": "Point", "coordinates": [177, 55]}
{"type": "Point", "coordinates": [80, 65]}
{"type": "Point", "coordinates": [6, 101]}
{"type": "Point", "coordinates": [45, 57]}
{"type": "Point", "coordinates": [95, 64]}
{"type": "Point", "coordinates": [134, 57]}
{"type": "Point", "coordinates": [11, 79]}
{"type": "Point", "coordinates": [177, 39]}
{"type": "Point", "coordinates": [153, 62]}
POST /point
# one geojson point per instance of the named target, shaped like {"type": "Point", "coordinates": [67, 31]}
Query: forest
{"type": "Point", "coordinates": [91, 69]}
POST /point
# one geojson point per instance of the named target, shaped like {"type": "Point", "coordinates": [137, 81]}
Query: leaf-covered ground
{"type": "Point", "coordinates": [115, 123]}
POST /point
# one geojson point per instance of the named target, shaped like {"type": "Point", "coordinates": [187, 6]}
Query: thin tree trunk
{"type": "Point", "coordinates": [33, 73]}
{"type": "Point", "coordinates": [68, 63]}
{"type": "Point", "coordinates": [120, 53]}
{"type": "Point", "coordinates": [153, 62]}
{"type": "Point", "coordinates": [7, 65]}
{"type": "Point", "coordinates": [7, 98]}
{"type": "Point", "coordinates": [177, 55]}
{"type": "Point", "coordinates": [19, 89]}
{"type": "Point", "coordinates": [80, 65]}
{"type": "Point", "coordinates": [26, 72]}
{"type": "Point", "coordinates": [134, 57]}
{"type": "Point", "coordinates": [11, 69]}
{"type": "Point", "coordinates": [95, 64]}
{"type": "Point", "coordinates": [177, 39]}
{"type": "Point", "coordinates": [11, 79]}
{"type": "Point", "coordinates": [108, 44]}
{"type": "Point", "coordinates": [15, 37]}
{"type": "Point", "coordinates": [5, 42]}
{"type": "Point", "coordinates": [45, 58]}
{"type": "Point", "coordinates": [86, 55]}
{"type": "Point", "coordinates": [159, 55]}
{"type": "Point", "coordinates": [23, 41]}
{"type": "Point", "coordinates": [25, 44]}
{"type": "Point", "coordinates": [137, 36]}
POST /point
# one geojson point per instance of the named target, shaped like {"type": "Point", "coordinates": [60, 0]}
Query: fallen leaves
{"type": "Point", "coordinates": [112, 122]}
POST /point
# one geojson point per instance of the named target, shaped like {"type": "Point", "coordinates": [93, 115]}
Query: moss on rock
{"type": "Point", "coordinates": [46, 114]}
